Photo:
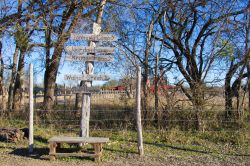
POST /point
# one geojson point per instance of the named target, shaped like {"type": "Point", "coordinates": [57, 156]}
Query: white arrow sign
{"type": "Point", "coordinates": [88, 49]}
{"type": "Point", "coordinates": [86, 77]}
{"type": "Point", "coordinates": [80, 58]}
{"type": "Point", "coordinates": [93, 37]}
{"type": "Point", "coordinates": [86, 89]}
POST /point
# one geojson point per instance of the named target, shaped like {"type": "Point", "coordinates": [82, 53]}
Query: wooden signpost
{"type": "Point", "coordinates": [80, 58]}
{"type": "Point", "coordinates": [93, 37]}
{"type": "Point", "coordinates": [88, 75]}
{"type": "Point", "coordinates": [90, 49]}
{"type": "Point", "coordinates": [85, 89]}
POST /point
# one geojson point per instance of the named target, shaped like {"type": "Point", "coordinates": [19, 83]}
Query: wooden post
{"type": "Point", "coordinates": [86, 97]}
{"type": "Point", "coordinates": [138, 112]}
{"type": "Point", "coordinates": [31, 104]}
{"type": "Point", "coordinates": [52, 150]}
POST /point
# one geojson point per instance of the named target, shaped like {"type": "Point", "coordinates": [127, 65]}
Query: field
{"type": "Point", "coordinates": [171, 147]}
{"type": "Point", "coordinates": [173, 142]}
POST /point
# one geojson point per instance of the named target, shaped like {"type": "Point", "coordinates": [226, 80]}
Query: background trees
{"type": "Point", "coordinates": [189, 32]}
{"type": "Point", "coordinates": [185, 41]}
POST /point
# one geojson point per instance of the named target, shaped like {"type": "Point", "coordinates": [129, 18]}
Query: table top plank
{"type": "Point", "coordinates": [65, 139]}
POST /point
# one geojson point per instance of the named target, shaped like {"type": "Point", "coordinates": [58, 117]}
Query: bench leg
{"type": "Point", "coordinates": [98, 152]}
{"type": "Point", "coordinates": [52, 150]}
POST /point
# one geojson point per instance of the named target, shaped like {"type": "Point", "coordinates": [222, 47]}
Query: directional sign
{"type": "Point", "coordinates": [93, 37]}
{"type": "Point", "coordinates": [80, 58]}
{"type": "Point", "coordinates": [86, 77]}
{"type": "Point", "coordinates": [85, 89]}
{"type": "Point", "coordinates": [88, 49]}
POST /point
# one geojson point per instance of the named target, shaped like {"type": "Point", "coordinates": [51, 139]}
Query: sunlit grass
{"type": "Point", "coordinates": [158, 143]}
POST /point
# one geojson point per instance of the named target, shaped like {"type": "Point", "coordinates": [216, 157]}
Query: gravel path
{"type": "Point", "coordinates": [7, 159]}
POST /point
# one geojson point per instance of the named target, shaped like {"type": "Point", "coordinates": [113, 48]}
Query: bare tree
{"type": "Point", "coordinates": [187, 31]}
{"type": "Point", "coordinates": [70, 16]}
{"type": "Point", "coordinates": [236, 51]}
{"type": "Point", "coordinates": [136, 38]}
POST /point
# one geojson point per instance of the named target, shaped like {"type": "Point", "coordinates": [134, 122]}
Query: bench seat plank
{"type": "Point", "coordinates": [65, 139]}
{"type": "Point", "coordinates": [73, 154]}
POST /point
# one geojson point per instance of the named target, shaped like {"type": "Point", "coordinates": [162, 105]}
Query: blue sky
{"type": "Point", "coordinates": [36, 57]}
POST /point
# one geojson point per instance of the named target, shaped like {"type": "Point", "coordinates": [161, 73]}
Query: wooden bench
{"type": "Point", "coordinates": [96, 142]}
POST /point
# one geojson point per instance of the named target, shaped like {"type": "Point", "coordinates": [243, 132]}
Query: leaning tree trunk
{"type": "Point", "coordinates": [146, 68]}
{"type": "Point", "coordinates": [146, 83]}
{"type": "Point", "coordinates": [52, 67]}
{"type": "Point", "coordinates": [228, 89]}
{"type": "Point", "coordinates": [247, 52]}
{"type": "Point", "coordinates": [14, 65]}
{"type": "Point", "coordinates": [12, 80]}
{"type": "Point", "coordinates": [19, 87]}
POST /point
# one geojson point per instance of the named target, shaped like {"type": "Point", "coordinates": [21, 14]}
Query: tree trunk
{"type": "Point", "coordinates": [146, 68]}
{"type": "Point", "coordinates": [228, 89]}
{"type": "Point", "coordinates": [52, 64]}
{"type": "Point", "coordinates": [12, 80]}
{"type": "Point", "coordinates": [228, 98]}
{"type": "Point", "coordinates": [238, 91]}
{"type": "Point", "coordinates": [14, 65]}
{"type": "Point", "coordinates": [247, 52]}
{"type": "Point", "coordinates": [19, 89]}
{"type": "Point", "coordinates": [1, 70]}
{"type": "Point", "coordinates": [1, 79]}
{"type": "Point", "coordinates": [248, 86]}
{"type": "Point", "coordinates": [198, 104]}
{"type": "Point", "coordinates": [145, 94]}
{"type": "Point", "coordinates": [156, 88]}
{"type": "Point", "coordinates": [50, 82]}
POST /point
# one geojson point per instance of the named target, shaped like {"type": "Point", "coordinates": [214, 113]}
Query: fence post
{"type": "Point", "coordinates": [138, 112]}
{"type": "Point", "coordinates": [31, 105]}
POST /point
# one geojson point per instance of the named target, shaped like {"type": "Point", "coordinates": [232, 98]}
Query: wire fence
{"type": "Point", "coordinates": [113, 115]}
{"type": "Point", "coordinates": [117, 120]}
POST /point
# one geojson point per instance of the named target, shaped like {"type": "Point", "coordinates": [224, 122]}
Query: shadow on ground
{"type": "Point", "coordinates": [38, 153]}
{"type": "Point", "coordinates": [43, 152]}
{"type": "Point", "coordinates": [192, 150]}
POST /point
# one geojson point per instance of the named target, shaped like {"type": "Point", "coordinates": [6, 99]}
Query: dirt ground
{"type": "Point", "coordinates": [18, 159]}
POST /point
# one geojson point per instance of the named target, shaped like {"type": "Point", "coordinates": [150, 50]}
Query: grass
{"type": "Point", "coordinates": [158, 143]}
